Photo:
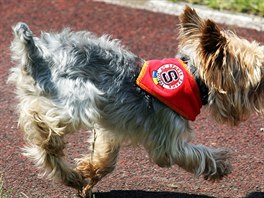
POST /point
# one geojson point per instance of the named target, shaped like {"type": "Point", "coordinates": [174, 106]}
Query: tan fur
{"type": "Point", "coordinates": [44, 126]}
{"type": "Point", "coordinates": [101, 160]}
{"type": "Point", "coordinates": [230, 66]}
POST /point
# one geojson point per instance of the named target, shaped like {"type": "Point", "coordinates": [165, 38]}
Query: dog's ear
{"type": "Point", "coordinates": [190, 23]}
{"type": "Point", "coordinates": [214, 55]}
{"type": "Point", "coordinates": [212, 43]}
{"type": "Point", "coordinates": [189, 31]}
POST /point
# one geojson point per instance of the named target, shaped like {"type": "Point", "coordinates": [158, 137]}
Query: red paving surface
{"type": "Point", "coordinates": [149, 35]}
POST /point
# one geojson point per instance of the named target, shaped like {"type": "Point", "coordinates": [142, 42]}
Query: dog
{"type": "Point", "coordinates": [75, 80]}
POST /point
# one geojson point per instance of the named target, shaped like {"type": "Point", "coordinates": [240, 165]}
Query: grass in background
{"type": "Point", "coordinates": [2, 192]}
{"type": "Point", "coordinates": [255, 7]}
{"type": "Point", "coordinates": [6, 194]}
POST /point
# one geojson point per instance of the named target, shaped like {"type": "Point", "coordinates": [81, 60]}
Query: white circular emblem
{"type": "Point", "coordinates": [169, 76]}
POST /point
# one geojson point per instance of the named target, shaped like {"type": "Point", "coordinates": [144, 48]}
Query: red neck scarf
{"type": "Point", "coordinates": [169, 81]}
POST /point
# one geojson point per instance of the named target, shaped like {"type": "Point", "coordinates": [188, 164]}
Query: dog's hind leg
{"type": "Point", "coordinates": [104, 148]}
{"type": "Point", "coordinates": [43, 122]}
{"type": "Point", "coordinates": [45, 126]}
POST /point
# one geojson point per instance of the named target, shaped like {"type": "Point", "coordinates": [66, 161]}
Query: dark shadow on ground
{"type": "Point", "coordinates": [255, 195]}
{"type": "Point", "coordinates": [145, 194]}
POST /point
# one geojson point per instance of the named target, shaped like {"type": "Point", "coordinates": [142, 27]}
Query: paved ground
{"type": "Point", "coordinates": [168, 7]}
{"type": "Point", "coordinates": [150, 35]}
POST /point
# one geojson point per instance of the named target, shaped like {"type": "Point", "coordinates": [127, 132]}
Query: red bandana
{"type": "Point", "coordinates": [170, 82]}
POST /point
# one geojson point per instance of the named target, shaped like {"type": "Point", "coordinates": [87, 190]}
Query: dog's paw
{"type": "Point", "coordinates": [223, 169]}
{"type": "Point", "coordinates": [75, 180]}
{"type": "Point", "coordinates": [222, 166]}
{"type": "Point", "coordinates": [22, 31]}
{"type": "Point", "coordinates": [86, 191]}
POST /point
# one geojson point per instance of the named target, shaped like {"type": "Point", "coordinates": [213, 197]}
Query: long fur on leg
{"type": "Point", "coordinates": [104, 148]}
{"type": "Point", "coordinates": [44, 132]}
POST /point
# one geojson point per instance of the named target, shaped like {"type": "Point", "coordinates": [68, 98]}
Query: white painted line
{"type": "Point", "coordinates": [223, 17]}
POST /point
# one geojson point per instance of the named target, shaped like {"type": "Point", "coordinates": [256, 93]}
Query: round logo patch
{"type": "Point", "coordinates": [169, 76]}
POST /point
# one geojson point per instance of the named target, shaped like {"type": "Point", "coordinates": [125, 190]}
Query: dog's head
{"type": "Point", "coordinates": [231, 67]}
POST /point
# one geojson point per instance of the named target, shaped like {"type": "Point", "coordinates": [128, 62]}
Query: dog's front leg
{"type": "Point", "coordinates": [173, 147]}
{"type": "Point", "coordinates": [213, 164]}
{"type": "Point", "coordinates": [104, 149]}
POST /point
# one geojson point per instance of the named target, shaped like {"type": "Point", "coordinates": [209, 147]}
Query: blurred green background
{"type": "Point", "coordinates": [255, 7]}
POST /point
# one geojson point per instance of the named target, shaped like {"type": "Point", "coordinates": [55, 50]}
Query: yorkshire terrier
{"type": "Point", "coordinates": [71, 80]}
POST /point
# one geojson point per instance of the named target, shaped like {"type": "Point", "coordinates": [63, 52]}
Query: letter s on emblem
{"type": "Point", "coordinates": [169, 76]}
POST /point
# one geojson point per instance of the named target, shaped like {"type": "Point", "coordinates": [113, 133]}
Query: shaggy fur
{"type": "Point", "coordinates": [231, 67]}
{"type": "Point", "coordinates": [71, 80]}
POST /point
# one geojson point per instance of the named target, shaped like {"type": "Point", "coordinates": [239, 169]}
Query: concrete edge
{"type": "Point", "coordinates": [223, 17]}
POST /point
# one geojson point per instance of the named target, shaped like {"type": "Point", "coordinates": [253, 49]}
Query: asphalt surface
{"type": "Point", "coordinates": [150, 35]}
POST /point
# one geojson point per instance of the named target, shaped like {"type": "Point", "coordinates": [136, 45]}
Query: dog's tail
{"type": "Point", "coordinates": [23, 48]}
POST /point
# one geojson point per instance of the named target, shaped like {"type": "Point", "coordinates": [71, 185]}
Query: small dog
{"type": "Point", "coordinates": [71, 80]}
